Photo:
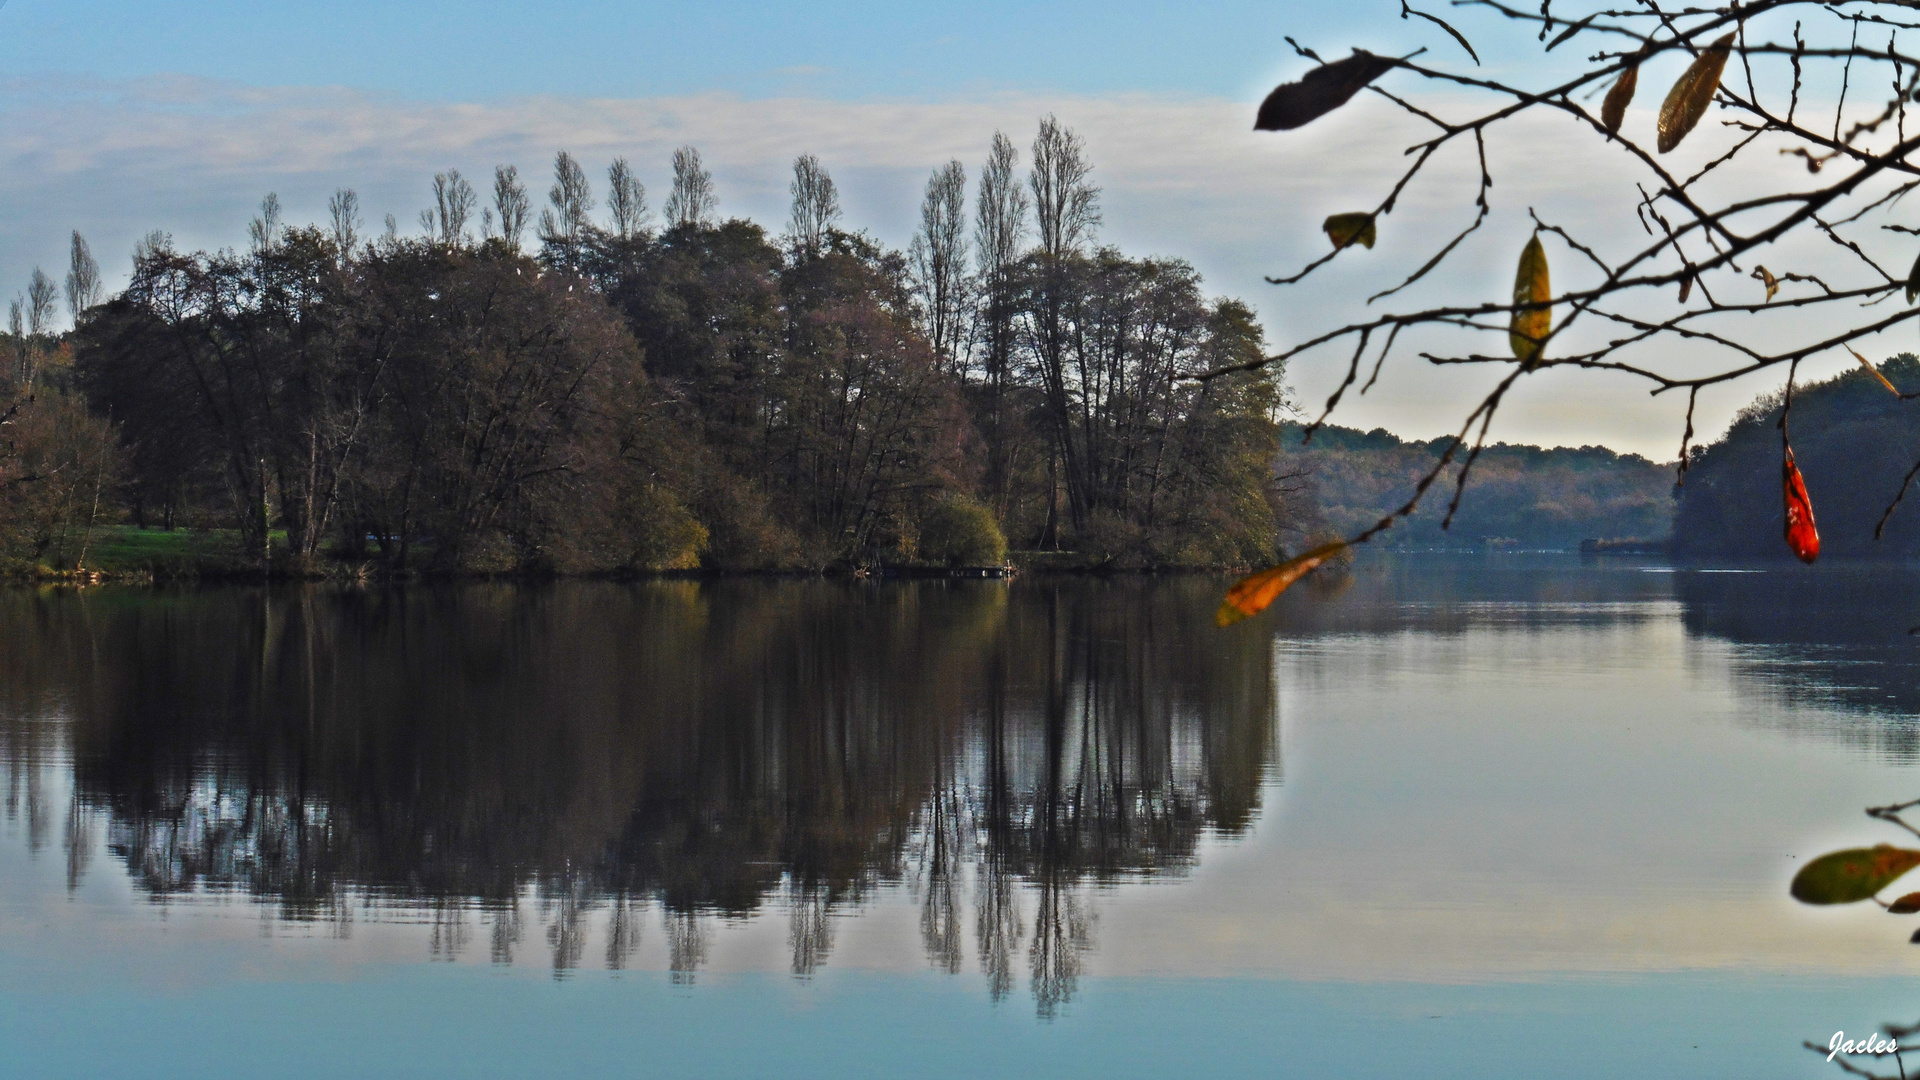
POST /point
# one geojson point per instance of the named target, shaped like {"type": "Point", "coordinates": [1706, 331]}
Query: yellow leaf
{"type": "Point", "coordinates": [1531, 285]}
{"type": "Point", "coordinates": [1344, 229]}
{"type": "Point", "coordinates": [1614, 109]}
{"type": "Point", "coordinates": [1252, 594]}
{"type": "Point", "coordinates": [1688, 100]}
{"type": "Point", "coordinates": [1764, 275]}
{"type": "Point", "coordinates": [1884, 381]}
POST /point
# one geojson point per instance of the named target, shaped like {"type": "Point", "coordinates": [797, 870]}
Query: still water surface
{"type": "Point", "coordinates": [1471, 817]}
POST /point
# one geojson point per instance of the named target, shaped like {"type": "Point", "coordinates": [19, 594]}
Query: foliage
{"type": "Point", "coordinates": [1851, 438]}
{"type": "Point", "coordinates": [702, 396]}
{"type": "Point", "coordinates": [1526, 495]}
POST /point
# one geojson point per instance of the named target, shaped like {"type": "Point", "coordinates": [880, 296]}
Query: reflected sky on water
{"type": "Point", "coordinates": [1461, 816]}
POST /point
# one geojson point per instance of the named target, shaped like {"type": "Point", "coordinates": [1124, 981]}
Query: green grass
{"type": "Point", "coordinates": [124, 551]}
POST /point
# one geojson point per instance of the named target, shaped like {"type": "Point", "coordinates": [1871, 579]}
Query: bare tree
{"type": "Point", "coordinates": [816, 205]}
{"type": "Point", "coordinates": [22, 348]}
{"type": "Point", "coordinates": [264, 231]}
{"type": "Point", "coordinates": [83, 278]}
{"type": "Point", "coordinates": [566, 223]}
{"type": "Point", "coordinates": [626, 200]}
{"type": "Point", "coordinates": [939, 256]}
{"type": "Point", "coordinates": [691, 202]}
{"type": "Point", "coordinates": [344, 212]}
{"type": "Point", "coordinates": [510, 204]}
{"type": "Point", "coordinates": [1067, 209]}
{"type": "Point", "coordinates": [453, 203]}
{"type": "Point", "coordinates": [41, 297]}
{"type": "Point", "coordinates": [1066, 203]}
{"type": "Point", "coordinates": [999, 231]}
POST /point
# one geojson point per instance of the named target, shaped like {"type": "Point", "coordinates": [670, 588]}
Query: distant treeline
{"type": "Point", "coordinates": [1854, 443]}
{"type": "Point", "coordinates": [1521, 496]}
{"type": "Point", "coordinates": [647, 395]}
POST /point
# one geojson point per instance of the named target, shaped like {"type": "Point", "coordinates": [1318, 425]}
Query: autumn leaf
{"type": "Point", "coordinates": [1906, 905]}
{"type": "Point", "coordinates": [1913, 281]}
{"type": "Point", "coordinates": [1252, 594]}
{"type": "Point", "coordinates": [1321, 91]}
{"type": "Point", "coordinates": [1846, 877]}
{"type": "Point", "coordinates": [1802, 536]}
{"type": "Point", "coordinates": [1344, 229]}
{"type": "Point", "coordinates": [1875, 372]}
{"type": "Point", "coordinates": [1531, 285]}
{"type": "Point", "coordinates": [1614, 109]}
{"type": "Point", "coordinates": [1688, 100]}
{"type": "Point", "coordinates": [1686, 287]}
{"type": "Point", "coordinates": [1764, 275]}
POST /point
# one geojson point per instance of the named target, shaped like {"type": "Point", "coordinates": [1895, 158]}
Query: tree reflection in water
{"type": "Point", "coordinates": [586, 752]}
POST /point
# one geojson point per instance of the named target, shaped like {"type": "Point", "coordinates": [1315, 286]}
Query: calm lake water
{"type": "Point", "coordinates": [1453, 817]}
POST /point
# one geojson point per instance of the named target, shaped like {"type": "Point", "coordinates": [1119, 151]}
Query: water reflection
{"type": "Point", "coordinates": [1810, 644]}
{"type": "Point", "coordinates": [552, 769]}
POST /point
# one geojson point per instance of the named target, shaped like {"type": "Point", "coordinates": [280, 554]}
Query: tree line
{"type": "Point", "coordinates": [577, 390]}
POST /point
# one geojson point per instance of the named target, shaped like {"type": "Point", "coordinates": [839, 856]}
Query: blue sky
{"type": "Point", "coordinates": [480, 50]}
{"type": "Point", "coordinates": [117, 118]}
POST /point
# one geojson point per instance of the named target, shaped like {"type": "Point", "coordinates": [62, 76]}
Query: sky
{"type": "Point", "coordinates": [118, 118]}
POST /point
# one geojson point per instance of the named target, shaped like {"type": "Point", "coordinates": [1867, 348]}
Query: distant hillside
{"type": "Point", "coordinates": [1853, 441]}
{"type": "Point", "coordinates": [1531, 497]}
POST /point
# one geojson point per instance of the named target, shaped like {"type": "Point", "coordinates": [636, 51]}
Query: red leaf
{"type": "Point", "coordinates": [1802, 536]}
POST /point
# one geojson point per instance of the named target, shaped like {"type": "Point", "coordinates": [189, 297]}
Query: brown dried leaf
{"type": "Point", "coordinates": [1686, 287]}
{"type": "Point", "coordinates": [1344, 229]}
{"type": "Point", "coordinates": [1614, 109]}
{"type": "Point", "coordinates": [1913, 281]}
{"type": "Point", "coordinates": [1321, 91]}
{"type": "Point", "coordinates": [1531, 285]}
{"type": "Point", "coordinates": [1688, 100]}
{"type": "Point", "coordinates": [1884, 381]}
{"type": "Point", "coordinates": [1906, 905]}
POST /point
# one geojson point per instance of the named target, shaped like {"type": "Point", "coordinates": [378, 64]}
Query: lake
{"type": "Point", "coordinates": [1501, 816]}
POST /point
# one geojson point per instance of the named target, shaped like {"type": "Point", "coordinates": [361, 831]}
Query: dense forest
{"type": "Point", "coordinates": [572, 390]}
{"type": "Point", "coordinates": [1517, 496]}
{"type": "Point", "coordinates": [1853, 442]}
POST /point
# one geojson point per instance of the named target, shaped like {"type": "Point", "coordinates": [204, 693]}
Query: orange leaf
{"type": "Point", "coordinates": [1614, 109]}
{"type": "Point", "coordinates": [1251, 595]}
{"type": "Point", "coordinates": [1802, 536]}
{"type": "Point", "coordinates": [1688, 100]}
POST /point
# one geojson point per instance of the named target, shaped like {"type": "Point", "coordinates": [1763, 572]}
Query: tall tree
{"type": "Point", "coordinates": [816, 205]}
{"type": "Point", "coordinates": [691, 202]}
{"type": "Point", "coordinates": [83, 278]}
{"type": "Point", "coordinates": [263, 232]}
{"type": "Point", "coordinates": [567, 222]}
{"type": "Point", "coordinates": [1066, 210]}
{"type": "Point", "coordinates": [343, 211]}
{"type": "Point", "coordinates": [999, 231]}
{"type": "Point", "coordinates": [939, 256]}
{"type": "Point", "coordinates": [626, 200]}
{"type": "Point", "coordinates": [453, 203]}
{"type": "Point", "coordinates": [510, 204]}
